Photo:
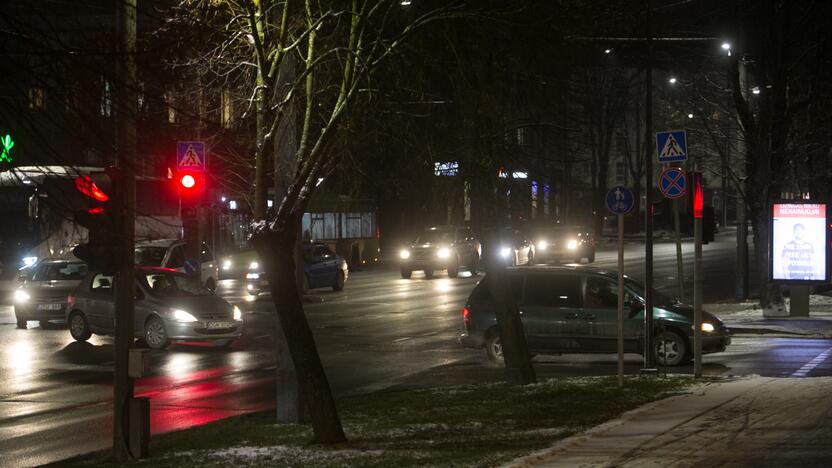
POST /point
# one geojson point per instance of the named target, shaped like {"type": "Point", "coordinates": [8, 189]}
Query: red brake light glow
{"type": "Point", "coordinates": [466, 317]}
{"type": "Point", "coordinates": [85, 185]}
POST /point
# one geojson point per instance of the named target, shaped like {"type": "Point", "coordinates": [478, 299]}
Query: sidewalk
{"type": "Point", "coordinates": [756, 421]}
{"type": "Point", "coordinates": [747, 318]}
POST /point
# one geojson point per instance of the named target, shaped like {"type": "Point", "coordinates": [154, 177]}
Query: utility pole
{"type": "Point", "coordinates": [125, 277]}
{"type": "Point", "coordinates": [742, 222]}
{"type": "Point", "coordinates": [649, 361]}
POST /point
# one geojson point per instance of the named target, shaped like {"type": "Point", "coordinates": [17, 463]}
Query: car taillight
{"type": "Point", "coordinates": [466, 317]}
{"type": "Point", "coordinates": [69, 300]}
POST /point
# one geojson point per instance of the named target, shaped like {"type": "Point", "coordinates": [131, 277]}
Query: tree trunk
{"type": "Point", "coordinates": [771, 298]}
{"type": "Point", "coordinates": [518, 361]}
{"type": "Point", "coordinates": [277, 252]}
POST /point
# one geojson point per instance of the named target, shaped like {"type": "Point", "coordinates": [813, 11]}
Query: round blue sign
{"type": "Point", "coordinates": [673, 183]}
{"type": "Point", "coordinates": [620, 200]}
{"type": "Point", "coordinates": [192, 266]}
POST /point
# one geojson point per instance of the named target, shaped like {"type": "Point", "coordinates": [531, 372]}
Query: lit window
{"type": "Point", "coordinates": [36, 98]}
{"type": "Point", "coordinates": [170, 101]}
{"type": "Point", "coordinates": [226, 109]}
{"type": "Point", "coordinates": [106, 105]}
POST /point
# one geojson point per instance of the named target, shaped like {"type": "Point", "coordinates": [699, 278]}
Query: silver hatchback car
{"type": "Point", "coordinates": [170, 306]}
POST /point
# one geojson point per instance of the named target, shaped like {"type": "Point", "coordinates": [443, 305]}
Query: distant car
{"type": "Point", "coordinates": [440, 248]}
{"type": "Point", "coordinates": [42, 295]}
{"type": "Point", "coordinates": [170, 306]}
{"type": "Point", "coordinates": [575, 310]}
{"type": "Point", "coordinates": [322, 268]}
{"type": "Point", "coordinates": [511, 248]}
{"type": "Point", "coordinates": [170, 253]}
{"type": "Point", "coordinates": [562, 243]}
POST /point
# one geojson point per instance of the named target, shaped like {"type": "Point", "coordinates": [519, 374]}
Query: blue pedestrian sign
{"type": "Point", "coordinates": [672, 146]}
{"type": "Point", "coordinates": [190, 156]}
{"type": "Point", "coordinates": [620, 200]}
{"type": "Point", "coordinates": [673, 183]}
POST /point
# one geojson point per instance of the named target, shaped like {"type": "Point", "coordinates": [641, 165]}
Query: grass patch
{"type": "Point", "coordinates": [470, 425]}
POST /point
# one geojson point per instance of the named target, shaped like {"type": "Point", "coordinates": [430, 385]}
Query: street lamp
{"type": "Point", "coordinates": [726, 46]}
{"type": "Point", "coordinates": [690, 116]}
{"type": "Point", "coordinates": [607, 51]}
{"type": "Point", "coordinates": [672, 80]}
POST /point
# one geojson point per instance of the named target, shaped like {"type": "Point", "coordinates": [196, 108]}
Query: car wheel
{"type": "Point", "coordinates": [211, 285]}
{"type": "Point", "coordinates": [428, 273]}
{"type": "Point", "coordinates": [339, 283]}
{"type": "Point", "coordinates": [453, 268]}
{"type": "Point", "coordinates": [155, 334]}
{"type": "Point", "coordinates": [475, 266]}
{"type": "Point", "coordinates": [494, 347]}
{"type": "Point", "coordinates": [22, 323]}
{"type": "Point", "coordinates": [671, 349]}
{"type": "Point", "coordinates": [591, 257]}
{"type": "Point", "coordinates": [406, 273]}
{"type": "Point", "coordinates": [79, 327]}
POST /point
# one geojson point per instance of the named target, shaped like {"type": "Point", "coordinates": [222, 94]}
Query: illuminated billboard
{"type": "Point", "coordinates": [798, 242]}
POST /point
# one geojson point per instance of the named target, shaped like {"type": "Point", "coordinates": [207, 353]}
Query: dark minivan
{"type": "Point", "coordinates": [574, 310]}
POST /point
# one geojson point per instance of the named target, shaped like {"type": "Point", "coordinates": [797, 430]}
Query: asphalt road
{"type": "Point", "coordinates": [380, 332]}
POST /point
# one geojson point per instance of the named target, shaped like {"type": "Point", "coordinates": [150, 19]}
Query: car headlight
{"type": "Point", "coordinates": [182, 316]}
{"type": "Point", "coordinates": [572, 244]}
{"type": "Point", "coordinates": [443, 253]}
{"type": "Point", "coordinates": [542, 245]}
{"type": "Point", "coordinates": [21, 296]}
{"type": "Point", "coordinates": [238, 314]}
{"type": "Point", "coordinates": [404, 254]}
{"type": "Point", "coordinates": [505, 252]}
{"type": "Point", "coordinates": [707, 327]}
{"type": "Point", "coordinates": [226, 264]}
{"type": "Point", "coordinates": [29, 261]}
{"type": "Point", "coordinates": [253, 265]}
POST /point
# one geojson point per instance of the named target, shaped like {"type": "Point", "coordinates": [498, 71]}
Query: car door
{"type": "Point", "coordinates": [176, 258]}
{"type": "Point", "coordinates": [551, 306]}
{"type": "Point", "coordinates": [601, 313]}
{"type": "Point", "coordinates": [316, 266]}
{"type": "Point", "coordinates": [100, 309]}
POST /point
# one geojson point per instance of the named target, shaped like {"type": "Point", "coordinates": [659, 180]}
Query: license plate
{"type": "Point", "coordinates": [217, 325]}
{"type": "Point", "coordinates": [50, 306]}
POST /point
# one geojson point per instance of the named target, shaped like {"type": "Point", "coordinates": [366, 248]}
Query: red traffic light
{"type": "Point", "coordinates": [188, 181]}
{"type": "Point", "coordinates": [698, 196]}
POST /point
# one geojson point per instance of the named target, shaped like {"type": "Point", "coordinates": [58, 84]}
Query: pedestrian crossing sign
{"type": "Point", "coordinates": [672, 146]}
{"type": "Point", "coordinates": [190, 156]}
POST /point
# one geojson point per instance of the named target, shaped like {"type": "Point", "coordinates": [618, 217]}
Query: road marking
{"type": "Point", "coordinates": [401, 339]}
{"type": "Point", "coordinates": [809, 366]}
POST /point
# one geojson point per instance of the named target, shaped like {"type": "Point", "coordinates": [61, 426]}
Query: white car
{"type": "Point", "coordinates": [170, 253]}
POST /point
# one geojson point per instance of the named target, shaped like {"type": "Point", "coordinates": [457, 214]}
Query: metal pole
{"type": "Point", "coordinates": [742, 283]}
{"type": "Point", "coordinates": [649, 361]}
{"type": "Point", "coordinates": [620, 324]}
{"type": "Point", "coordinates": [680, 266]}
{"type": "Point", "coordinates": [126, 154]}
{"type": "Point", "coordinates": [697, 297]}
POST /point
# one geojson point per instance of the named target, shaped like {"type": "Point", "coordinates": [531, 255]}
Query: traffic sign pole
{"type": "Point", "coordinates": [620, 323]}
{"type": "Point", "coordinates": [697, 275]}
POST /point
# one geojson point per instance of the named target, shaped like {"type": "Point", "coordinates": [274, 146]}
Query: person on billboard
{"type": "Point", "coordinates": [797, 256]}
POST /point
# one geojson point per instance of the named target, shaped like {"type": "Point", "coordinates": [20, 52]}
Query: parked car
{"type": "Point", "coordinates": [322, 268]}
{"type": "Point", "coordinates": [559, 243]}
{"type": "Point", "coordinates": [510, 247]}
{"type": "Point", "coordinates": [43, 292]}
{"type": "Point", "coordinates": [170, 253]}
{"type": "Point", "coordinates": [170, 306]}
{"type": "Point", "coordinates": [575, 310]}
{"type": "Point", "coordinates": [441, 248]}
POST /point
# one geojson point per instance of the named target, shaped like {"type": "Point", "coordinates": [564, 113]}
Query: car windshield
{"type": "Point", "coordinates": [433, 236]}
{"type": "Point", "coordinates": [554, 233]}
{"type": "Point", "coordinates": [65, 271]}
{"type": "Point", "coordinates": [638, 289]}
{"type": "Point", "coordinates": [150, 256]}
{"type": "Point", "coordinates": [164, 284]}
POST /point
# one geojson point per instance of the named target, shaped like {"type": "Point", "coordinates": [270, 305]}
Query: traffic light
{"type": "Point", "coordinates": [100, 219]}
{"type": "Point", "coordinates": [191, 185]}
